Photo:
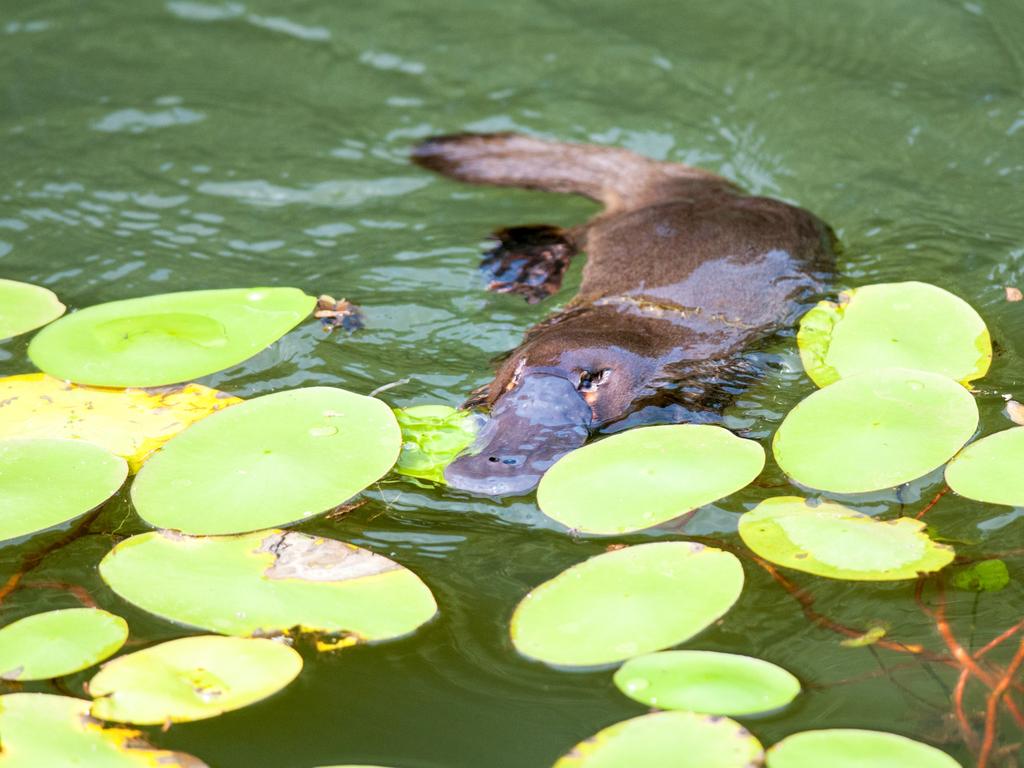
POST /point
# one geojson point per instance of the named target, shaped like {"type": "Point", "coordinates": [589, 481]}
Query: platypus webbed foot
{"type": "Point", "coordinates": [529, 261]}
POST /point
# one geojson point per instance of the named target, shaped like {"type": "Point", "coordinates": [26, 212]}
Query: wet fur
{"type": "Point", "coordinates": [684, 273]}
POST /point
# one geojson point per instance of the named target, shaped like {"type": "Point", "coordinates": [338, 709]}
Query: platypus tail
{"type": "Point", "coordinates": [615, 177]}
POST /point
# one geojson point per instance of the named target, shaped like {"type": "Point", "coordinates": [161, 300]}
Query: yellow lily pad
{"type": "Point", "coordinates": [192, 678]}
{"type": "Point", "coordinates": [131, 423]}
{"type": "Point", "coordinates": [45, 731]}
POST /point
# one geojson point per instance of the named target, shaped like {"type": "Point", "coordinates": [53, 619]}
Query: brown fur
{"type": "Point", "coordinates": [684, 271]}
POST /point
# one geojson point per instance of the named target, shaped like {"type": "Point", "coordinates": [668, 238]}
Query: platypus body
{"type": "Point", "coordinates": [684, 273]}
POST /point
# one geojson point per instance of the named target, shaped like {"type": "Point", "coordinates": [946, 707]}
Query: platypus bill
{"type": "Point", "coordinates": [684, 273]}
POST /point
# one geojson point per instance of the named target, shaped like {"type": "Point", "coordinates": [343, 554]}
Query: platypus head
{"type": "Point", "coordinates": [570, 377]}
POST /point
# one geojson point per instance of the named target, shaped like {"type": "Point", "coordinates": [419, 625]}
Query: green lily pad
{"type": "Point", "coordinates": [25, 307]}
{"type": "Point", "coordinates": [167, 338]}
{"type": "Point", "coordinates": [46, 482]}
{"type": "Point", "coordinates": [44, 731]}
{"type": "Point", "coordinates": [990, 470]}
{"type": "Point", "coordinates": [432, 436]}
{"type": "Point", "coordinates": [191, 679]}
{"type": "Point", "coordinates": [828, 539]}
{"type": "Point", "coordinates": [875, 430]}
{"type": "Point", "coordinates": [626, 603]}
{"type": "Point", "coordinates": [268, 582]}
{"type": "Point", "coordinates": [668, 740]}
{"type": "Point", "coordinates": [894, 325]}
{"type": "Point", "coordinates": [645, 476]}
{"type": "Point", "coordinates": [851, 748]}
{"type": "Point", "coordinates": [58, 643]}
{"type": "Point", "coordinates": [986, 576]}
{"type": "Point", "coordinates": [272, 460]}
{"type": "Point", "coordinates": [708, 682]}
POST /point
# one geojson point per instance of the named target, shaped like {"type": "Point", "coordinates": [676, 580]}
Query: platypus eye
{"type": "Point", "coordinates": [589, 380]}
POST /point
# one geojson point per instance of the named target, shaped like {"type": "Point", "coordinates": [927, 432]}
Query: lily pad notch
{"type": "Point", "coordinates": [167, 338]}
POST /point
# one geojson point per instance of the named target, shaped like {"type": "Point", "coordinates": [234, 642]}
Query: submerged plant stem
{"type": "Point", "coordinates": [992, 707]}
{"type": "Point", "coordinates": [76, 590]}
{"type": "Point", "coordinates": [33, 559]}
{"type": "Point", "coordinates": [819, 619]}
{"type": "Point", "coordinates": [935, 500]}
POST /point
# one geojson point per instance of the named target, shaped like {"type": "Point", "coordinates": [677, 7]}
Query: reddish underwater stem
{"type": "Point", "coordinates": [992, 707]}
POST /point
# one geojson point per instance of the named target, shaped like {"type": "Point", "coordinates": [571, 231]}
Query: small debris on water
{"type": "Point", "coordinates": [1013, 293]}
{"type": "Point", "coordinates": [1015, 411]}
{"type": "Point", "coordinates": [338, 314]}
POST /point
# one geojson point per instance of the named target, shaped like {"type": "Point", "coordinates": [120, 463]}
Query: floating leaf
{"type": "Point", "coordinates": [872, 636]}
{"type": "Point", "coordinates": [645, 476]}
{"type": "Point", "coordinates": [432, 436]}
{"type": "Point", "coordinates": [167, 338]}
{"type": "Point", "coordinates": [705, 681]}
{"type": "Point", "coordinates": [266, 582]}
{"type": "Point", "coordinates": [191, 679]}
{"type": "Point", "coordinates": [44, 483]}
{"type": "Point", "coordinates": [828, 539]}
{"type": "Point", "coordinates": [991, 469]}
{"type": "Point", "coordinates": [131, 423]}
{"type": "Point", "coordinates": [626, 602]}
{"type": "Point", "coordinates": [44, 731]}
{"type": "Point", "coordinates": [986, 576]}
{"type": "Point", "coordinates": [875, 430]}
{"type": "Point", "coordinates": [668, 740]}
{"type": "Point", "coordinates": [851, 748]}
{"type": "Point", "coordinates": [25, 307]}
{"type": "Point", "coordinates": [269, 461]}
{"type": "Point", "coordinates": [58, 643]}
{"type": "Point", "coordinates": [894, 325]}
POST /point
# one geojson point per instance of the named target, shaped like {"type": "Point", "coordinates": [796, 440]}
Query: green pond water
{"type": "Point", "coordinates": [149, 147]}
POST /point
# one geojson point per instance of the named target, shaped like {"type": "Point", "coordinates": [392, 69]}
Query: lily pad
{"type": "Point", "coordinates": [269, 461]}
{"type": "Point", "coordinates": [894, 325]}
{"type": "Point", "coordinates": [985, 576]}
{"type": "Point", "coordinates": [44, 483]}
{"type": "Point", "coordinates": [645, 476]}
{"type": "Point", "coordinates": [875, 430]}
{"type": "Point", "coordinates": [626, 603]}
{"type": "Point", "coordinates": [991, 470]}
{"type": "Point", "coordinates": [44, 731]}
{"type": "Point", "coordinates": [191, 679]}
{"type": "Point", "coordinates": [58, 643]}
{"type": "Point", "coordinates": [828, 539]}
{"type": "Point", "coordinates": [167, 338]}
{"type": "Point", "coordinates": [709, 682]}
{"type": "Point", "coordinates": [131, 423]}
{"type": "Point", "coordinates": [268, 582]}
{"type": "Point", "coordinates": [432, 436]}
{"type": "Point", "coordinates": [25, 307]}
{"type": "Point", "coordinates": [668, 740]}
{"type": "Point", "coordinates": [852, 748]}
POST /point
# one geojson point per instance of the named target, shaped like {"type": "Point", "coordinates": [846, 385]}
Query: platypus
{"type": "Point", "coordinates": [684, 273]}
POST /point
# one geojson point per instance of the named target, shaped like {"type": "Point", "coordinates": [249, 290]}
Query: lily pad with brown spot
{"type": "Point", "coordinates": [269, 582]}
{"type": "Point", "coordinates": [44, 731]}
{"type": "Point", "coordinates": [192, 678]}
{"type": "Point", "coordinates": [131, 423]}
